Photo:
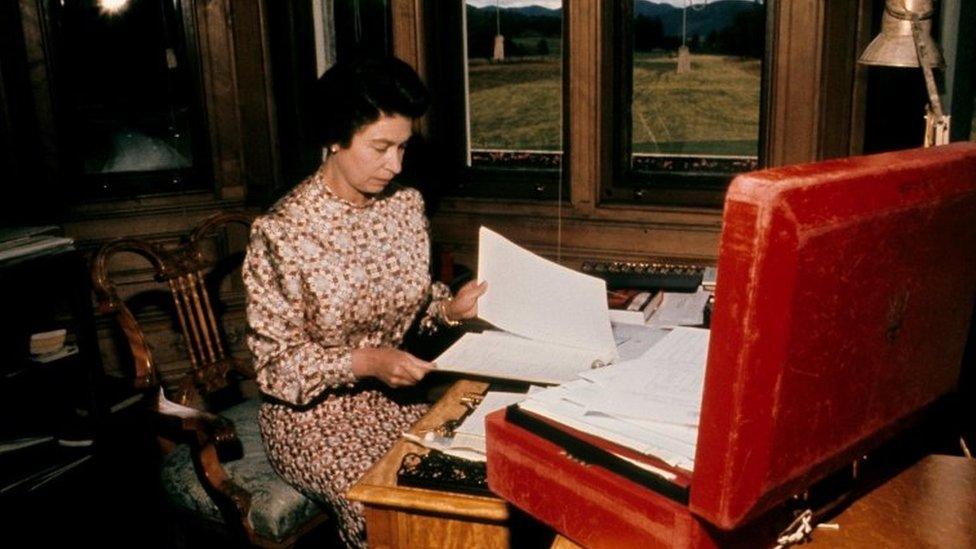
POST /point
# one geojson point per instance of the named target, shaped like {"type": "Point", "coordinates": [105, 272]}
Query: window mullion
{"type": "Point", "coordinates": [588, 111]}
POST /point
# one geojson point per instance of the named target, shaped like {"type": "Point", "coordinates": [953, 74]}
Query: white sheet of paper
{"type": "Point", "coordinates": [507, 356]}
{"type": "Point", "coordinates": [681, 309]}
{"type": "Point", "coordinates": [541, 300]}
{"type": "Point", "coordinates": [668, 475]}
{"type": "Point", "coordinates": [474, 424]}
{"type": "Point", "coordinates": [442, 444]}
{"type": "Point", "coordinates": [471, 433]}
{"type": "Point", "coordinates": [633, 340]}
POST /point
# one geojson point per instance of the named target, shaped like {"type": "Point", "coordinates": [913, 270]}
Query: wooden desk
{"type": "Point", "coordinates": [400, 516]}
{"type": "Point", "coordinates": [931, 504]}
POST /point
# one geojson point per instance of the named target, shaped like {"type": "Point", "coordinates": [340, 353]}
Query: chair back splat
{"type": "Point", "coordinates": [214, 469]}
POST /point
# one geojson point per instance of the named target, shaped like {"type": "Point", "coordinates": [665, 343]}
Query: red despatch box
{"type": "Point", "coordinates": [845, 290]}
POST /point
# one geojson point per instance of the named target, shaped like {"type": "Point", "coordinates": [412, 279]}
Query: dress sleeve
{"type": "Point", "coordinates": [290, 366]}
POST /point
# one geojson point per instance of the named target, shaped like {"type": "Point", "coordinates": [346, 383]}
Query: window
{"type": "Point", "coordinates": [689, 117]}
{"type": "Point", "coordinates": [507, 98]}
{"type": "Point", "coordinates": [661, 131]}
{"type": "Point", "coordinates": [514, 83]}
{"type": "Point", "coordinates": [127, 89]}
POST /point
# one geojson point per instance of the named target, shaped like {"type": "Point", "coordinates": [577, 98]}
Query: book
{"type": "Point", "coordinates": [551, 322]}
{"type": "Point", "coordinates": [35, 245]}
{"type": "Point", "coordinates": [11, 237]}
{"type": "Point", "coordinates": [12, 445]}
{"type": "Point", "coordinates": [29, 468]}
{"type": "Point", "coordinates": [709, 278]}
{"type": "Point", "coordinates": [633, 306]}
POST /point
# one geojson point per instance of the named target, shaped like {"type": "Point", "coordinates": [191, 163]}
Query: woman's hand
{"type": "Point", "coordinates": [393, 367]}
{"type": "Point", "coordinates": [465, 304]}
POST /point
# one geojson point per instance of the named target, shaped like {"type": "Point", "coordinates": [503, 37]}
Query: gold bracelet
{"type": "Point", "coordinates": [446, 319]}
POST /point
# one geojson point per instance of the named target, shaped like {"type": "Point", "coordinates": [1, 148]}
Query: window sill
{"type": "Point", "coordinates": [648, 214]}
{"type": "Point", "coordinates": [150, 205]}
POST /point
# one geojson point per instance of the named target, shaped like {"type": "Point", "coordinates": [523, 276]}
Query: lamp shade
{"type": "Point", "coordinates": [895, 46]}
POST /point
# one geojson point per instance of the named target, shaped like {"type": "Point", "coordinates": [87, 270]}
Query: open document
{"type": "Point", "coordinates": [553, 321]}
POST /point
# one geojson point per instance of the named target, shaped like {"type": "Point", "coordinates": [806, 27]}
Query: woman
{"type": "Point", "coordinates": [335, 273]}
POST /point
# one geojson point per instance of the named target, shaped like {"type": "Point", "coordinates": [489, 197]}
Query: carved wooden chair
{"type": "Point", "coordinates": [214, 467]}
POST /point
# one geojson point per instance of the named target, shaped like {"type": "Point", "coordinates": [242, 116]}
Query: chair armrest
{"type": "Point", "coordinates": [212, 440]}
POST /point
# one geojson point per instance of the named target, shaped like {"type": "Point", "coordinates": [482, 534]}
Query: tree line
{"type": "Point", "coordinates": [745, 37]}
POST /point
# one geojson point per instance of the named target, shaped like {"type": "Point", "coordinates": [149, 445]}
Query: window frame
{"type": "Point", "coordinates": [448, 121]}
{"type": "Point", "coordinates": [812, 45]}
{"type": "Point", "coordinates": [80, 186]}
{"type": "Point", "coordinates": [702, 186]}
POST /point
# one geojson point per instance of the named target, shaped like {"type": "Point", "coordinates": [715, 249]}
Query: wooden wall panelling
{"type": "Point", "coordinates": [259, 148]}
{"type": "Point", "coordinates": [865, 14]}
{"type": "Point", "coordinates": [33, 26]}
{"type": "Point", "coordinates": [796, 59]}
{"type": "Point", "coordinates": [612, 233]}
{"type": "Point", "coordinates": [841, 115]}
{"type": "Point", "coordinates": [18, 139]}
{"type": "Point", "coordinates": [293, 62]}
{"type": "Point", "coordinates": [814, 101]}
{"type": "Point", "coordinates": [408, 34]}
{"type": "Point", "coordinates": [214, 33]}
{"type": "Point", "coordinates": [408, 42]}
{"type": "Point", "coordinates": [588, 139]}
{"type": "Point", "coordinates": [94, 223]}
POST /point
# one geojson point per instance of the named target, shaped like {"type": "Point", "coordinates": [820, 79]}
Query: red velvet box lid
{"type": "Point", "coordinates": [843, 300]}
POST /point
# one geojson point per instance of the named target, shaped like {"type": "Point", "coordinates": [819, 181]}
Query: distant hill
{"type": "Point", "coordinates": [715, 16]}
{"type": "Point", "coordinates": [644, 8]}
{"type": "Point", "coordinates": [537, 11]}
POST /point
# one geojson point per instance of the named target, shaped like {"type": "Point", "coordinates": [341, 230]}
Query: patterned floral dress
{"type": "Point", "coordinates": [324, 277]}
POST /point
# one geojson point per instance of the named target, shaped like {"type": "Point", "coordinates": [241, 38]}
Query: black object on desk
{"type": "Point", "coordinates": [439, 471]}
{"type": "Point", "coordinates": [672, 277]}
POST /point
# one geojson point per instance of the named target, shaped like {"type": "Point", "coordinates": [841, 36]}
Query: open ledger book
{"type": "Point", "coordinates": [553, 322]}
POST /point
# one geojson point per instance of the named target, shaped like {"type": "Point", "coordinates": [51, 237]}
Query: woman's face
{"type": "Point", "coordinates": [372, 159]}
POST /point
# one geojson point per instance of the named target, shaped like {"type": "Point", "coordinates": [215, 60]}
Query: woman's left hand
{"type": "Point", "coordinates": [464, 305]}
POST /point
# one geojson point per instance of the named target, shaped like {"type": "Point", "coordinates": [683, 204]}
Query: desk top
{"type": "Point", "coordinates": [931, 504]}
{"type": "Point", "coordinates": [379, 487]}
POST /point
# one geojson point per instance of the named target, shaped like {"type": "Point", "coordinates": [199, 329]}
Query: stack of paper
{"type": "Point", "coordinates": [650, 404]}
{"type": "Point", "coordinates": [18, 242]}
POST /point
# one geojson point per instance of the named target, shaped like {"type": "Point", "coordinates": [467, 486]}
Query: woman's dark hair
{"type": "Point", "coordinates": [353, 94]}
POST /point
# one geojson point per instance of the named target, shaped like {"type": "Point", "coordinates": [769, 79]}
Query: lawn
{"type": "Point", "coordinates": [714, 109]}
{"type": "Point", "coordinates": [516, 105]}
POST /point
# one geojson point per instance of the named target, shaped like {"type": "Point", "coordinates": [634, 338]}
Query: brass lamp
{"type": "Point", "coordinates": [906, 41]}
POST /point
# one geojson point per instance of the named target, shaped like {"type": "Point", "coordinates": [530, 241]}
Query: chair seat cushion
{"type": "Point", "coordinates": [277, 509]}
